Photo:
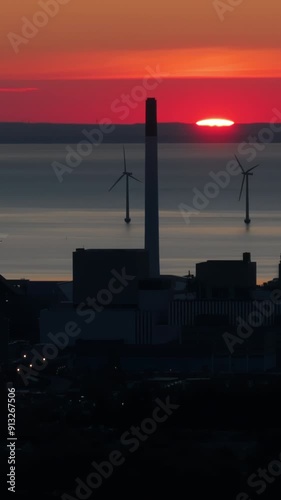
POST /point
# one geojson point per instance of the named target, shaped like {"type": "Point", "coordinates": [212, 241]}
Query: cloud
{"type": "Point", "coordinates": [19, 89]}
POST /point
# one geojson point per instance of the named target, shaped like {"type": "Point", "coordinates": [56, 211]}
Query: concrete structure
{"type": "Point", "coordinates": [164, 318]}
{"type": "Point", "coordinates": [140, 317]}
{"type": "Point", "coordinates": [216, 313]}
{"type": "Point", "coordinates": [151, 189]}
{"type": "Point", "coordinates": [226, 279]}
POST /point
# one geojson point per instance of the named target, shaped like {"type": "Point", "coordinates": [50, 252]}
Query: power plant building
{"type": "Point", "coordinates": [120, 297]}
{"type": "Point", "coordinates": [226, 279]}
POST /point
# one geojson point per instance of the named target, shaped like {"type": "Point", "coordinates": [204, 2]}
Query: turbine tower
{"type": "Point", "coordinates": [128, 175]}
{"type": "Point", "coordinates": [151, 189]}
{"type": "Point", "coordinates": [246, 174]}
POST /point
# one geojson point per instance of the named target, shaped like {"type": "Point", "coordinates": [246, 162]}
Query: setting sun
{"type": "Point", "coordinates": [215, 122]}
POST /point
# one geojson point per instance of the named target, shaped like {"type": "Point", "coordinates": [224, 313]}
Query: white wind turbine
{"type": "Point", "coordinates": [128, 175]}
{"type": "Point", "coordinates": [246, 174]}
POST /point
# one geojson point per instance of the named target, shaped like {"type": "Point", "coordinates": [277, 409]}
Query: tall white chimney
{"type": "Point", "coordinates": [151, 188]}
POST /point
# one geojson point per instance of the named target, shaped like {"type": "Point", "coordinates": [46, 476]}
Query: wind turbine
{"type": "Point", "coordinates": [128, 175]}
{"type": "Point", "coordinates": [246, 174]}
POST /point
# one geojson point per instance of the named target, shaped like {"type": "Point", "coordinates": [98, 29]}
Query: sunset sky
{"type": "Point", "coordinates": [212, 59]}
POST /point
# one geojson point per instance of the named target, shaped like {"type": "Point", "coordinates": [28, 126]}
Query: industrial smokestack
{"type": "Point", "coordinates": [151, 188]}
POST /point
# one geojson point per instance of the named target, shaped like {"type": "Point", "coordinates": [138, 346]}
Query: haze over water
{"type": "Point", "coordinates": [42, 220]}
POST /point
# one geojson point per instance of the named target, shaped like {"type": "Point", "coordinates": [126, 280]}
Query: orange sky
{"type": "Point", "coordinates": [118, 40]}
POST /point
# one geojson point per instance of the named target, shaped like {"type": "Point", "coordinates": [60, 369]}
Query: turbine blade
{"type": "Point", "coordinates": [125, 162]}
{"type": "Point", "coordinates": [132, 177]}
{"type": "Point", "coordinates": [116, 182]}
{"type": "Point", "coordinates": [242, 185]}
{"type": "Point", "coordinates": [252, 168]}
{"type": "Point", "coordinates": [238, 161]}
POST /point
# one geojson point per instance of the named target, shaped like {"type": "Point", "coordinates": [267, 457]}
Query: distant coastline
{"type": "Point", "coordinates": [47, 133]}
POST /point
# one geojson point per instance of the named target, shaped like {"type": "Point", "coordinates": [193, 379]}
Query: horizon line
{"type": "Point", "coordinates": [128, 124]}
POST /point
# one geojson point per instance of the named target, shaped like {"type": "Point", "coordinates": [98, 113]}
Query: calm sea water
{"type": "Point", "coordinates": [42, 220]}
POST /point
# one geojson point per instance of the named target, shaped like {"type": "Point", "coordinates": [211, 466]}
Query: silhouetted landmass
{"type": "Point", "coordinates": [21, 133]}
